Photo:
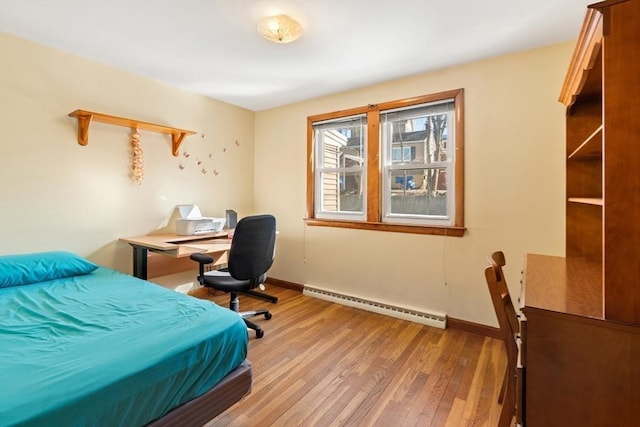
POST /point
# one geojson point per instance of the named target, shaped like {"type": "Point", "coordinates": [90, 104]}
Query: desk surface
{"type": "Point", "coordinates": [564, 285]}
{"type": "Point", "coordinates": [182, 246]}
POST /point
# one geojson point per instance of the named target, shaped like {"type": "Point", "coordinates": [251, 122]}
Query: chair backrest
{"type": "Point", "coordinates": [510, 328]}
{"type": "Point", "coordinates": [505, 312]}
{"type": "Point", "coordinates": [252, 247]}
{"type": "Point", "coordinates": [502, 304]}
{"type": "Point", "coordinates": [497, 261]}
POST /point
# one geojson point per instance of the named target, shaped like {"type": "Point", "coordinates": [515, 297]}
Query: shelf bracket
{"type": "Point", "coordinates": [176, 140]}
{"type": "Point", "coordinates": [83, 129]}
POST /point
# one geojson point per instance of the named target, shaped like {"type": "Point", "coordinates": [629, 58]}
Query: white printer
{"type": "Point", "coordinates": [191, 221]}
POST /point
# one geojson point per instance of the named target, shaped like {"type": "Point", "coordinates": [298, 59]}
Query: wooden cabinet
{"type": "Point", "coordinates": [601, 93]}
{"type": "Point", "coordinates": [583, 311]}
{"type": "Point", "coordinates": [581, 370]}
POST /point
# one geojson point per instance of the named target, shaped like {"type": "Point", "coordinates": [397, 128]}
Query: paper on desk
{"type": "Point", "coordinates": [189, 211]}
{"type": "Point", "coordinates": [210, 247]}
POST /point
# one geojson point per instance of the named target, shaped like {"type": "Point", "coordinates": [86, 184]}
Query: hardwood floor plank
{"type": "Point", "coordinates": [460, 382]}
{"type": "Point", "coordinates": [390, 367]}
{"type": "Point", "coordinates": [481, 407]}
{"type": "Point", "coordinates": [474, 346]}
{"type": "Point", "coordinates": [455, 416]}
{"type": "Point", "coordinates": [416, 374]}
{"type": "Point", "coordinates": [354, 367]}
{"type": "Point", "coordinates": [423, 404]}
{"type": "Point", "coordinates": [324, 364]}
{"type": "Point", "coordinates": [312, 402]}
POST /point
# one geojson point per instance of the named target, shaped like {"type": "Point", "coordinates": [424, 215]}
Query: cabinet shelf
{"type": "Point", "coordinates": [86, 117]}
{"type": "Point", "coordinates": [587, 200]}
{"type": "Point", "coordinates": [591, 147]}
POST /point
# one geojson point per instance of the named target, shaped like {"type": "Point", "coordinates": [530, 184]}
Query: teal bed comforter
{"type": "Point", "coordinates": [107, 349]}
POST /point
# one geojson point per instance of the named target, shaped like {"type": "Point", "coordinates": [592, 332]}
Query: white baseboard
{"type": "Point", "coordinates": [437, 320]}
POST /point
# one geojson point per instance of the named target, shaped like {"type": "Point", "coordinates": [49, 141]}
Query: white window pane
{"type": "Point", "coordinates": [418, 203]}
{"type": "Point", "coordinates": [418, 134]}
{"type": "Point", "coordinates": [419, 195]}
{"type": "Point", "coordinates": [341, 192]}
{"type": "Point", "coordinates": [341, 144]}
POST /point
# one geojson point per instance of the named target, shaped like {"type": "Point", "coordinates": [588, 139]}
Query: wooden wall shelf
{"type": "Point", "coordinates": [86, 117]}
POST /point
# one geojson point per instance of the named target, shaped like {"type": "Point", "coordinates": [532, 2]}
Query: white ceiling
{"type": "Point", "coordinates": [211, 47]}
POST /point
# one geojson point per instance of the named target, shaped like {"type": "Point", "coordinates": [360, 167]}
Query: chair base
{"type": "Point", "coordinates": [246, 314]}
{"type": "Point", "coordinates": [234, 305]}
{"type": "Point", "coordinates": [254, 313]}
{"type": "Point", "coordinates": [262, 295]}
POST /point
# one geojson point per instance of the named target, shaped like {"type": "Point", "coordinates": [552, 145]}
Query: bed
{"type": "Point", "coordinates": [85, 345]}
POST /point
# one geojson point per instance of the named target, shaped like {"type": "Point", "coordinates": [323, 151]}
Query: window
{"type": "Point", "coordinates": [415, 184]}
{"type": "Point", "coordinates": [403, 154]}
{"type": "Point", "coordinates": [339, 175]}
{"type": "Point", "coordinates": [395, 166]}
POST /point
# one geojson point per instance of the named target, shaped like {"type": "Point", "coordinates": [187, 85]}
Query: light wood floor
{"type": "Point", "coordinates": [324, 364]}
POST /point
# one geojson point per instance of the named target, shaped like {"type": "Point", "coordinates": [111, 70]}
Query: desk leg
{"type": "Point", "coordinates": [140, 262]}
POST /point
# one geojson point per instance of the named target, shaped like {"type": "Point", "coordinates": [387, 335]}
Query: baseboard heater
{"type": "Point", "coordinates": [437, 320]}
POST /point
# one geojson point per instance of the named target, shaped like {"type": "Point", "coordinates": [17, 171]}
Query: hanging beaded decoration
{"type": "Point", "coordinates": [137, 164]}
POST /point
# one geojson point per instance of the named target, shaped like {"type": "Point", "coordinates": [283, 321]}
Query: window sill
{"type": "Point", "coordinates": [452, 231]}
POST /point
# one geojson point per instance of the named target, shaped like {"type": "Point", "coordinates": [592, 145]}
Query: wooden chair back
{"type": "Point", "coordinates": [497, 261]}
{"type": "Point", "coordinates": [509, 326]}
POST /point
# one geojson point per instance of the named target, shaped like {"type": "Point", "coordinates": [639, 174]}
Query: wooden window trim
{"type": "Point", "coordinates": [374, 196]}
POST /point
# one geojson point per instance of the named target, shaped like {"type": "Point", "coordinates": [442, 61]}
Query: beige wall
{"type": "Point", "coordinates": [55, 194]}
{"type": "Point", "coordinates": [58, 195]}
{"type": "Point", "coordinates": [514, 189]}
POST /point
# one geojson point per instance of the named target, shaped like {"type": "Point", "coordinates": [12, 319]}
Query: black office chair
{"type": "Point", "coordinates": [250, 257]}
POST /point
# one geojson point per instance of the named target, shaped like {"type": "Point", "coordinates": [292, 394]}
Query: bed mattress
{"type": "Point", "coordinates": [109, 349]}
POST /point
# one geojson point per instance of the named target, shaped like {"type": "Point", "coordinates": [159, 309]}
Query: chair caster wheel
{"type": "Point", "coordinates": [259, 333]}
{"type": "Point", "coordinates": [267, 315]}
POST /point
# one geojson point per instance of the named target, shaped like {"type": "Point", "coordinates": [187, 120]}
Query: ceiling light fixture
{"type": "Point", "coordinates": [280, 29]}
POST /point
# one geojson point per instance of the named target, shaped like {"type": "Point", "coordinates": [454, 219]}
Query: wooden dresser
{"type": "Point", "coordinates": [581, 313]}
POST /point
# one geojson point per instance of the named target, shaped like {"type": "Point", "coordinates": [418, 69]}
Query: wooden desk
{"type": "Point", "coordinates": [175, 246]}
{"type": "Point", "coordinates": [581, 369]}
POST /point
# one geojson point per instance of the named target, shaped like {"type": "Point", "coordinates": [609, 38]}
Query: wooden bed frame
{"type": "Point", "coordinates": [203, 409]}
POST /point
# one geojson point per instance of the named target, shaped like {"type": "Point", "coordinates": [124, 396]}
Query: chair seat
{"type": "Point", "coordinates": [222, 280]}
